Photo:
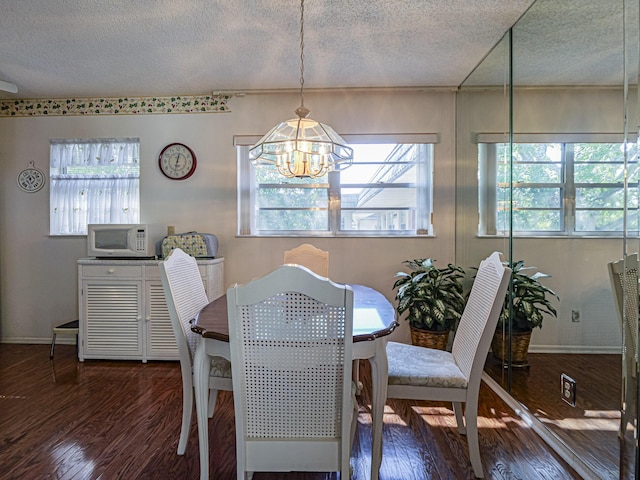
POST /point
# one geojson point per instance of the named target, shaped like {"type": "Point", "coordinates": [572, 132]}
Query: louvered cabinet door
{"type": "Point", "coordinates": [111, 319]}
{"type": "Point", "coordinates": [159, 337]}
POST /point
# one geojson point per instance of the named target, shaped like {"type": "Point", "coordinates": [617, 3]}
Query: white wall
{"type": "Point", "coordinates": [38, 273]}
{"type": "Point", "coordinates": [38, 278]}
{"type": "Point", "coordinates": [578, 266]}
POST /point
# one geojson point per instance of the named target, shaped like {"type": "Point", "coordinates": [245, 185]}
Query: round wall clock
{"type": "Point", "coordinates": [31, 179]}
{"type": "Point", "coordinates": [177, 161]}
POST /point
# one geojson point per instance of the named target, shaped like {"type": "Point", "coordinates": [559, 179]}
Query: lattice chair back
{"type": "Point", "coordinates": [623, 275]}
{"type": "Point", "coordinates": [624, 283]}
{"type": "Point", "coordinates": [186, 296]}
{"type": "Point", "coordinates": [480, 318]}
{"type": "Point", "coordinates": [291, 352]}
{"type": "Point", "coordinates": [307, 255]}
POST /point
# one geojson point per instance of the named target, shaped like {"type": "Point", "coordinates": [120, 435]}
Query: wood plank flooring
{"type": "Point", "coordinates": [590, 428]}
{"type": "Point", "coordinates": [106, 420]}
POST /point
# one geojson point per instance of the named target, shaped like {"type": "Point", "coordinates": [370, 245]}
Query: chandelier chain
{"type": "Point", "coordinates": [302, 53]}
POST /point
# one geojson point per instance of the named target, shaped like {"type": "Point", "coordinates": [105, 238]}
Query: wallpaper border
{"type": "Point", "coordinates": [115, 106]}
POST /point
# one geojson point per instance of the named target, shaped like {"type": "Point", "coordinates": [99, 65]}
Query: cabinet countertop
{"type": "Point", "coordinates": [139, 261]}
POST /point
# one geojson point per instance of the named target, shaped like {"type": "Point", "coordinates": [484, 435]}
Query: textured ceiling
{"type": "Point", "coordinates": [80, 48]}
{"type": "Point", "coordinates": [568, 42]}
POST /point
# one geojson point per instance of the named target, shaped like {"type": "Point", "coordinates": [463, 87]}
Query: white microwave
{"type": "Point", "coordinates": [124, 240]}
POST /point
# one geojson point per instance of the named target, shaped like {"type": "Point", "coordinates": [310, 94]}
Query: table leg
{"type": "Point", "coordinates": [379, 375]}
{"type": "Point", "coordinates": [201, 369]}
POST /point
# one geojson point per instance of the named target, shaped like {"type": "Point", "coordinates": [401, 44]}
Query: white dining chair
{"type": "Point", "coordinates": [186, 296]}
{"type": "Point", "coordinates": [623, 275]}
{"type": "Point", "coordinates": [307, 255]}
{"type": "Point", "coordinates": [317, 260]}
{"type": "Point", "coordinates": [428, 374]}
{"type": "Point", "coordinates": [290, 336]}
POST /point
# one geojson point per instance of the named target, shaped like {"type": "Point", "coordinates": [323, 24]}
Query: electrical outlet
{"type": "Point", "coordinates": [568, 389]}
{"type": "Point", "coordinates": [575, 316]}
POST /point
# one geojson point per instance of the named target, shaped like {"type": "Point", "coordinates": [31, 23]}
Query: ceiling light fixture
{"type": "Point", "coordinates": [302, 147]}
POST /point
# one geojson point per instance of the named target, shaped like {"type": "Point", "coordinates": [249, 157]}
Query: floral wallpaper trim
{"type": "Point", "coordinates": [114, 106]}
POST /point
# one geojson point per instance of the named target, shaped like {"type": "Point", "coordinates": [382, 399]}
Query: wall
{"type": "Point", "coordinates": [578, 266]}
{"type": "Point", "coordinates": [38, 278]}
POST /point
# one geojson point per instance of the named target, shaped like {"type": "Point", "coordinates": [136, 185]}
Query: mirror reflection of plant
{"type": "Point", "coordinates": [530, 299]}
{"type": "Point", "coordinates": [433, 297]}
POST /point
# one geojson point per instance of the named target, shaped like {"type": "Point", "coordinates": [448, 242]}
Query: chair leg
{"type": "Point", "coordinates": [53, 344]}
{"type": "Point", "coordinates": [211, 406]}
{"type": "Point", "coordinates": [356, 376]}
{"type": "Point", "coordinates": [187, 411]}
{"type": "Point", "coordinates": [628, 410]}
{"type": "Point", "coordinates": [471, 417]}
{"type": "Point", "coordinates": [457, 409]}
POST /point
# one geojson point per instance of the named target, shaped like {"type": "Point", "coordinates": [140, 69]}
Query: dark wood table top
{"type": "Point", "coordinates": [373, 316]}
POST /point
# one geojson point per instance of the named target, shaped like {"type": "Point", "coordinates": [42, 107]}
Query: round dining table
{"type": "Point", "coordinates": [374, 318]}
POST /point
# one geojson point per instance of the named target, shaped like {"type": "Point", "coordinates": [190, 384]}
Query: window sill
{"type": "Point", "coordinates": [361, 235]}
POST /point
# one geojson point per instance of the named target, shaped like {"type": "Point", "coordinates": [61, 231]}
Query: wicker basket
{"type": "Point", "coordinates": [519, 347]}
{"type": "Point", "coordinates": [429, 339]}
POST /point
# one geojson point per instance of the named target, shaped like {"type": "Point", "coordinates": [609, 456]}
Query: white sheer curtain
{"type": "Point", "coordinates": [93, 181]}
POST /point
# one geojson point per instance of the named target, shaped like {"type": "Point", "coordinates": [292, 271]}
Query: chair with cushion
{"type": "Point", "coordinates": [624, 284]}
{"type": "Point", "coordinates": [428, 374]}
{"type": "Point", "coordinates": [186, 296]}
{"type": "Point", "coordinates": [290, 336]}
{"type": "Point", "coordinates": [307, 255]}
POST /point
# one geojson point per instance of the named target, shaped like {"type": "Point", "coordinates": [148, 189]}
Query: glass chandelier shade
{"type": "Point", "coordinates": [302, 147]}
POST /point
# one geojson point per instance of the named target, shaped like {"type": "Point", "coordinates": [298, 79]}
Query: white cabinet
{"type": "Point", "coordinates": [123, 311]}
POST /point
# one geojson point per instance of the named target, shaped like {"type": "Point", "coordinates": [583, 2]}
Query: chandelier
{"type": "Point", "coordinates": [302, 147]}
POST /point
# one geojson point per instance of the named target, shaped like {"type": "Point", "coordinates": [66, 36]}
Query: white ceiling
{"type": "Point", "coordinates": [568, 42]}
{"type": "Point", "coordinates": [80, 48]}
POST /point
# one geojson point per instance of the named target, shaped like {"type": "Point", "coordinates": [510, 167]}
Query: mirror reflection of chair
{"type": "Point", "coordinates": [427, 374]}
{"type": "Point", "coordinates": [291, 341]}
{"type": "Point", "coordinates": [624, 284]}
{"type": "Point", "coordinates": [186, 296]}
{"type": "Point", "coordinates": [307, 255]}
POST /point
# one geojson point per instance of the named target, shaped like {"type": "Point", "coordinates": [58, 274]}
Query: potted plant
{"type": "Point", "coordinates": [530, 301]}
{"type": "Point", "coordinates": [433, 299]}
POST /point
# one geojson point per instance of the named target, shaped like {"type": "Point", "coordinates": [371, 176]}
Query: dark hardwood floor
{"type": "Point", "coordinates": [107, 420]}
{"type": "Point", "coordinates": [590, 428]}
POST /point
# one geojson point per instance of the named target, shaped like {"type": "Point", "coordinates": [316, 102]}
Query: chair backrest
{"type": "Point", "coordinates": [291, 340]}
{"type": "Point", "coordinates": [480, 317]}
{"type": "Point", "coordinates": [186, 296]}
{"type": "Point", "coordinates": [307, 255]}
{"type": "Point", "coordinates": [623, 275]}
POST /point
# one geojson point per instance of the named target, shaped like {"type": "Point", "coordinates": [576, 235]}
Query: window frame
{"type": "Point", "coordinates": [247, 191]}
{"type": "Point", "coordinates": [89, 185]}
{"type": "Point", "coordinates": [488, 184]}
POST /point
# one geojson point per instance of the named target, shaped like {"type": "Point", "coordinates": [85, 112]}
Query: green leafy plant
{"type": "Point", "coordinates": [531, 300]}
{"type": "Point", "coordinates": [432, 296]}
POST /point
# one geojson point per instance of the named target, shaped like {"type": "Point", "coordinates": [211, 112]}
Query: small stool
{"type": "Point", "coordinates": [69, 328]}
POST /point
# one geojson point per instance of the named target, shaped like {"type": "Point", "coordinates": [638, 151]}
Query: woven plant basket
{"type": "Point", "coordinates": [519, 347]}
{"type": "Point", "coordinates": [429, 339]}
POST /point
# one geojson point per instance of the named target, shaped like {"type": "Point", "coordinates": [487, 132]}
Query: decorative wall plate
{"type": "Point", "coordinates": [31, 179]}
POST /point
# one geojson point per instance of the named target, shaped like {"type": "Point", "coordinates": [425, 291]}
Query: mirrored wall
{"type": "Point", "coordinates": [547, 129]}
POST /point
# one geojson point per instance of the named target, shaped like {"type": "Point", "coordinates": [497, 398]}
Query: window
{"type": "Point", "coordinates": [574, 189]}
{"type": "Point", "coordinates": [386, 191]}
{"type": "Point", "coordinates": [93, 181]}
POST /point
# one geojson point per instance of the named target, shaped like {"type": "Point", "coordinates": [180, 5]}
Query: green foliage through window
{"type": "Point", "coordinates": [566, 188]}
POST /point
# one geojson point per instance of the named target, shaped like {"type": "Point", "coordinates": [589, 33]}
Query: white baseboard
{"type": "Point", "coordinates": [60, 340]}
{"type": "Point", "coordinates": [576, 349]}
